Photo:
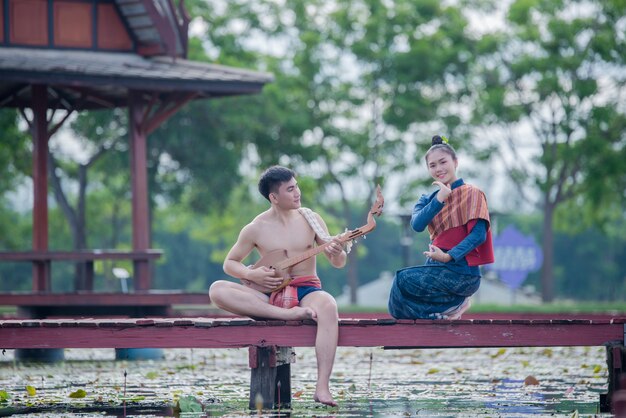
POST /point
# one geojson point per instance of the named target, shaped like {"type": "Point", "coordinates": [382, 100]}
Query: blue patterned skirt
{"type": "Point", "coordinates": [427, 292]}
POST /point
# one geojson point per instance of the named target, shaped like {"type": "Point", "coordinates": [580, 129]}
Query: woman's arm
{"type": "Point", "coordinates": [424, 211]}
{"type": "Point", "coordinates": [477, 236]}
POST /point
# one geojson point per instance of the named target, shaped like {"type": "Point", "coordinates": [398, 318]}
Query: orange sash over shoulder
{"type": "Point", "coordinates": [465, 205]}
{"type": "Point", "coordinates": [287, 297]}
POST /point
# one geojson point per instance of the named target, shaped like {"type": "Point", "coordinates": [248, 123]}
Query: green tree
{"type": "Point", "coordinates": [15, 226]}
{"type": "Point", "coordinates": [401, 87]}
{"type": "Point", "coordinates": [354, 80]}
{"type": "Point", "coordinates": [98, 133]}
{"type": "Point", "coordinates": [14, 153]}
{"type": "Point", "coordinates": [16, 166]}
{"type": "Point", "coordinates": [558, 69]}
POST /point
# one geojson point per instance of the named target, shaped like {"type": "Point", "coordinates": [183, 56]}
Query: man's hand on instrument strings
{"type": "Point", "coordinates": [435, 253]}
{"type": "Point", "coordinates": [334, 248]}
{"type": "Point", "coordinates": [264, 276]}
{"type": "Point", "coordinates": [444, 191]}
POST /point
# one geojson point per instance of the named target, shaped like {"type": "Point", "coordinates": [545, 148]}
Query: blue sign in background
{"type": "Point", "coordinates": [517, 255]}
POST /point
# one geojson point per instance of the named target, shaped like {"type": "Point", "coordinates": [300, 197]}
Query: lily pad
{"type": "Point", "coordinates": [78, 394]}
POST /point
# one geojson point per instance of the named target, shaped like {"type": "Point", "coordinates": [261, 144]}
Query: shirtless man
{"type": "Point", "coordinates": [282, 226]}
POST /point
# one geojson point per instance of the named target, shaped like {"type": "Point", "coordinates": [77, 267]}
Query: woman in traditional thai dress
{"type": "Point", "coordinates": [457, 218]}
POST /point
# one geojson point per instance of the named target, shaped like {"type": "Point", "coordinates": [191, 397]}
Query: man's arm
{"type": "Point", "coordinates": [334, 251]}
{"type": "Point", "coordinates": [233, 266]}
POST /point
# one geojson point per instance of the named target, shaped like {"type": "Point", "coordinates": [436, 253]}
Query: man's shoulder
{"type": "Point", "coordinates": [310, 215]}
{"type": "Point", "coordinates": [256, 223]}
{"type": "Point", "coordinates": [307, 211]}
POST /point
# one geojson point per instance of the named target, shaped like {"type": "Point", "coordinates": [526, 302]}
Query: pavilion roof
{"type": "Point", "coordinates": [91, 80]}
{"type": "Point", "coordinates": [157, 26]}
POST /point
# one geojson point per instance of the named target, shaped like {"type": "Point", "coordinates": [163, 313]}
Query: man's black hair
{"type": "Point", "coordinates": [272, 178]}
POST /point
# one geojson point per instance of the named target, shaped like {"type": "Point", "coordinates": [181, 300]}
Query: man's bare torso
{"type": "Point", "coordinates": [293, 235]}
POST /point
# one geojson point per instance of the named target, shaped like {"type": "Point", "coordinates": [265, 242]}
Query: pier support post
{"type": "Point", "coordinates": [616, 364]}
{"type": "Point", "coordinates": [270, 376]}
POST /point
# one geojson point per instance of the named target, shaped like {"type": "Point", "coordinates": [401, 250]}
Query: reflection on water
{"type": "Point", "coordinates": [366, 382]}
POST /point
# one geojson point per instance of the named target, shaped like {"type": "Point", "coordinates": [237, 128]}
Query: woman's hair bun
{"type": "Point", "coordinates": [437, 140]}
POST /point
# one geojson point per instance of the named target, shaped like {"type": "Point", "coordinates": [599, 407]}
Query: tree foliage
{"type": "Point", "coordinates": [559, 70]}
{"type": "Point", "coordinates": [359, 88]}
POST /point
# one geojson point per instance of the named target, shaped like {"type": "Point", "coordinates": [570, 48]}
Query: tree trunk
{"type": "Point", "coordinates": [352, 261]}
{"type": "Point", "coordinates": [547, 270]}
{"type": "Point", "coordinates": [353, 277]}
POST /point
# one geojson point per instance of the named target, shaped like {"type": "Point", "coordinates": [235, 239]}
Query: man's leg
{"type": "Point", "coordinates": [325, 341]}
{"type": "Point", "coordinates": [241, 300]}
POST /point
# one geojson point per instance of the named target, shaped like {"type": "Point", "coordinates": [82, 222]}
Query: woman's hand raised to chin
{"type": "Point", "coordinates": [444, 191]}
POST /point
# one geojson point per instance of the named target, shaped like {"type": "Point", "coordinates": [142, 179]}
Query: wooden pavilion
{"type": "Point", "coordinates": [58, 57]}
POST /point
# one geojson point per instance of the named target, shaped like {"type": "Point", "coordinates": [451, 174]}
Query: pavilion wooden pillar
{"type": "Point", "coordinates": [144, 117]}
{"type": "Point", "coordinates": [41, 270]}
{"type": "Point", "coordinates": [139, 186]}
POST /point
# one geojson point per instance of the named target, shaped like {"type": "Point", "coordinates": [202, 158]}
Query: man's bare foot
{"type": "Point", "coordinates": [324, 398]}
{"type": "Point", "coordinates": [298, 312]}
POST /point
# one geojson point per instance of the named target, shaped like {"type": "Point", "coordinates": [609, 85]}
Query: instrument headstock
{"type": "Point", "coordinates": [377, 206]}
{"type": "Point", "coordinates": [376, 209]}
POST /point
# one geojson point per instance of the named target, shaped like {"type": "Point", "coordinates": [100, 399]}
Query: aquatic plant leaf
{"type": "Point", "coordinates": [530, 380]}
{"type": "Point", "coordinates": [4, 396]}
{"type": "Point", "coordinates": [597, 369]}
{"type": "Point", "coordinates": [152, 375]}
{"type": "Point", "coordinates": [432, 371]}
{"type": "Point", "coordinates": [132, 398]}
{"type": "Point", "coordinates": [499, 353]}
{"type": "Point", "coordinates": [189, 404]}
{"type": "Point", "coordinates": [78, 394]}
{"type": "Point", "coordinates": [298, 394]}
{"type": "Point", "coordinates": [31, 390]}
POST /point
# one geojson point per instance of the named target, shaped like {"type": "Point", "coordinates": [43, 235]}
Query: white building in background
{"type": "Point", "coordinates": [375, 294]}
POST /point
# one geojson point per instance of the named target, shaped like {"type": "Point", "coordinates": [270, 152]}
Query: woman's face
{"type": "Point", "coordinates": [441, 166]}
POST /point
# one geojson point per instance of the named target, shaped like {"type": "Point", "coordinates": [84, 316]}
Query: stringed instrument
{"type": "Point", "coordinates": [280, 261]}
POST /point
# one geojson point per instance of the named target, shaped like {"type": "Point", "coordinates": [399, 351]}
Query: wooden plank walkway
{"type": "Point", "coordinates": [241, 332]}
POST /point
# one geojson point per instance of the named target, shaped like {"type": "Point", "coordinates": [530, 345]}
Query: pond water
{"type": "Point", "coordinates": [367, 382]}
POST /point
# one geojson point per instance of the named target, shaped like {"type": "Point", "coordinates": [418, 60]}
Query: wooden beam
{"type": "Point", "coordinates": [92, 96]}
{"type": "Point", "coordinates": [58, 125]}
{"type": "Point", "coordinates": [11, 94]}
{"type": "Point", "coordinates": [168, 108]}
{"type": "Point", "coordinates": [139, 186]}
{"type": "Point", "coordinates": [41, 278]}
{"type": "Point", "coordinates": [104, 299]}
{"type": "Point", "coordinates": [241, 332]}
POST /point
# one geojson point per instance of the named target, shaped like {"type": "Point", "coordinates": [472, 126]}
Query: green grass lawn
{"type": "Point", "coordinates": [7, 310]}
